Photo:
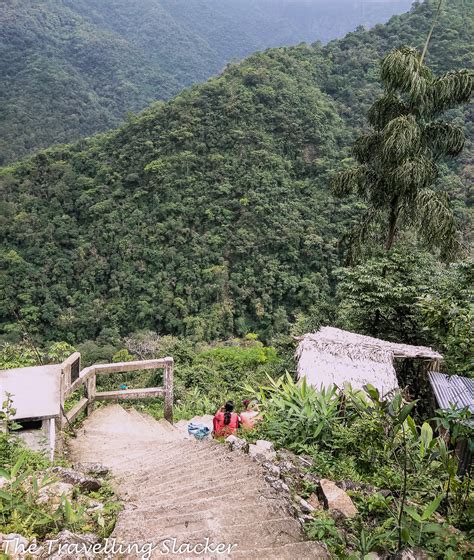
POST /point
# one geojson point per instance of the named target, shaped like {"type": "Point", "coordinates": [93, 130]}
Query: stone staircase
{"type": "Point", "coordinates": [175, 487]}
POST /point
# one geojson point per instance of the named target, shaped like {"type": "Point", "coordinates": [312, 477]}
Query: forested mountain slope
{"type": "Point", "coordinates": [70, 68]}
{"type": "Point", "coordinates": [209, 214]}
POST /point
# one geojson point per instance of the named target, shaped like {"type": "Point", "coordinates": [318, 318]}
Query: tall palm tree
{"type": "Point", "coordinates": [397, 160]}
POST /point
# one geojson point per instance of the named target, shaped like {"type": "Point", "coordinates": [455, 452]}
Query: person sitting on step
{"type": "Point", "coordinates": [226, 422]}
{"type": "Point", "coordinates": [250, 415]}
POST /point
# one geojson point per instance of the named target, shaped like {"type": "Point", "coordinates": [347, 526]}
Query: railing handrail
{"type": "Point", "coordinates": [134, 365]}
{"type": "Point", "coordinates": [88, 377]}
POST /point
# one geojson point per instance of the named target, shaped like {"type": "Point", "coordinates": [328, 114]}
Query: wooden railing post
{"type": "Point", "coordinates": [168, 385]}
{"type": "Point", "coordinates": [66, 373]}
{"type": "Point", "coordinates": [62, 398]}
{"type": "Point", "coordinates": [90, 393]}
{"type": "Point", "coordinates": [74, 360]}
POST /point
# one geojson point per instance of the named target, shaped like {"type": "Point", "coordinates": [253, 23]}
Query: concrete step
{"type": "Point", "coordinates": [177, 493]}
{"type": "Point", "coordinates": [200, 463]}
{"type": "Point", "coordinates": [160, 480]}
{"type": "Point", "coordinates": [303, 550]}
{"type": "Point", "coordinates": [150, 423]}
{"type": "Point", "coordinates": [259, 534]}
{"type": "Point", "coordinates": [216, 503]}
{"type": "Point", "coordinates": [174, 486]}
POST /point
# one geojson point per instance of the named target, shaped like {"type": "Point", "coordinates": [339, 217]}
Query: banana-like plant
{"type": "Point", "coordinates": [296, 413]}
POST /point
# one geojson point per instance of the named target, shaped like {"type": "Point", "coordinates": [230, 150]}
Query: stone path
{"type": "Point", "coordinates": [175, 487]}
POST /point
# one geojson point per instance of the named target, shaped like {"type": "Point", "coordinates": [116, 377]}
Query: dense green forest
{"type": "Point", "coordinates": [211, 215]}
{"type": "Point", "coordinates": [307, 185]}
{"type": "Point", "coordinates": [71, 68]}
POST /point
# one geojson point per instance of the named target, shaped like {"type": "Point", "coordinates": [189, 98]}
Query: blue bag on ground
{"type": "Point", "coordinates": [199, 431]}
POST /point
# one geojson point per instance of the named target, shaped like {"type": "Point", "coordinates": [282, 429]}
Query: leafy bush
{"type": "Point", "coordinates": [24, 354]}
{"type": "Point", "coordinates": [448, 316]}
{"type": "Point", "coordinates": [297, 415]}
{"type": "Point", "coordinates": [323, 528]}
{"type": "Point", "coordinates": [359, 436]}
{"type": "Point", "coordinates": [239, 357]}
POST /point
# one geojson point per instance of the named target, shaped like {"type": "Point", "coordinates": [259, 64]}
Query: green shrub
{"type": "Point", "coordinates": [362, 437]}
{"type": "Point", "coordinates": [296, 415]}
{"type": "Point", "coordinates": [323, 528]}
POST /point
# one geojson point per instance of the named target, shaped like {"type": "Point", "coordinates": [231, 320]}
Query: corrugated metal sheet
{"type": "Point", "coordinates": [452, 390]}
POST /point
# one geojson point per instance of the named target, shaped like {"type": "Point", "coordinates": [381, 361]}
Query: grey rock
{"type": "Point", "coordinates": [366, 488]}
{"type": "Point", "coordinates": [304, 505]}
{"type": "Point", "coordinates": [271, 479]}
{"type": "Point", "coordinates": [272, 468]}
{"type": "Point", "coordinates": [93, 505]}
{"type": "Point", "coordinates": [52, 494]}
{"type": "Point", "coordinates": [265, 445]}
{"type": "Point", "coordinates": [411, 554]}
{"type": "Point", "coordinates": [285, 455]}
{"type": "Point", "coordinates": [291, 480]}
{"type": "Point", "coordinates": [351, 485]}
{"type": "Point", "coordinates": [280, 486]}
{"type": "Point", "coordinates": [14, 545]}
{"type": "Point", "coordinates": [262, 451]}
{"type": "Point", "coordinates": [287, 467]}
{"type": "Point", "coordinates": [312, 479]}
{"type": "Point", "coordinates": [96, 469]}
{"type": "Point", "coordinates": [85, 483]}
{"type": "Point", "coordinates": [237, 444]}
{"type": "Point", "coordinates": [336, 499]}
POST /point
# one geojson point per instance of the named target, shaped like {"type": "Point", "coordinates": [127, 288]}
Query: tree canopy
{"type": "Point", "coordinates": [211, 215]}
{"type": "Point", "coordinates": [72, 68]}
{"type": "Point", "coordinates": [397, 160]}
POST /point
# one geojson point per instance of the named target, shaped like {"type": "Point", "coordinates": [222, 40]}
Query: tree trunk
{"type": "Point", "coordinates": [392, 224]}
{"type": "Point", "coordinates": [428, 38]}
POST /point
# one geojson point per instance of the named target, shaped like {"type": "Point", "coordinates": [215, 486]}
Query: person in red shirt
{"type": "Point", "coordinates": [226, 422]}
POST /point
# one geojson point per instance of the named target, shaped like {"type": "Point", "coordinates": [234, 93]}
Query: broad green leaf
{"type": "Point", "coordinates": [426, 437]}
{"type": "Point", "coordinates": [4, 474]}
{"type": "Point", "coordinates": [18, 465]}
{"type": "Point", "coordinates": [432, 507]}
{"type": "Point", "coordinates": [68, 511]}
{"type": "Point", "coordinates": [6, 496]}
{"type": "Point", "coordinates": [433, 528]}
{"type": "Point", "coordinates": [405, 411]}
{"type": "Point", "coordinates": [412, 426]}
{"type": "Point", "coordinates": [413, 513]}
{"type": "Point", "coordinates": [372, 391]}
{"type": "Point", "coordinates": [405, 535]}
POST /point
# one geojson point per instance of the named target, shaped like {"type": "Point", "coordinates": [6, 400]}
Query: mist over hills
{"type": "Point", "coordinates": [70, 68]}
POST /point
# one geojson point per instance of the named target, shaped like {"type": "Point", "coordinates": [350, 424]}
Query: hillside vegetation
{"type": "Point", "coordinates": [210, 215]}
{"type": "Point", "coordinates": [72, 68]}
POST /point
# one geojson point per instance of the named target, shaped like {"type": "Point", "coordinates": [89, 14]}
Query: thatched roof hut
{"type": "Point", "coordinates": [333, 356]}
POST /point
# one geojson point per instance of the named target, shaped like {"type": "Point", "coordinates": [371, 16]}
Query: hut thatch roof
{"type": "Point", "coordinates": [335, 356]}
